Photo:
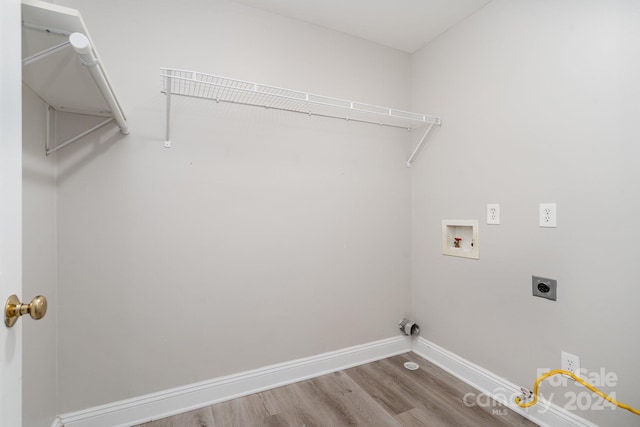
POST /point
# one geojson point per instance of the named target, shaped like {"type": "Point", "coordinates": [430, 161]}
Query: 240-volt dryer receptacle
{"type": "Point", "coordinates": [544, 288]}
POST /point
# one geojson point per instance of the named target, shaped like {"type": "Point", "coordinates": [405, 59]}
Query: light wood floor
{"type": "Point", "coordinates": [381, 393]}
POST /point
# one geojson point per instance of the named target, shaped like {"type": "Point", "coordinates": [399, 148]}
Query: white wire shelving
{"type": "Point", "coordinates": [223, 89]}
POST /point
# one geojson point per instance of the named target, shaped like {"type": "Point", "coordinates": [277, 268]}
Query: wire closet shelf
{"type": "Point", "coordinates": [223, 89]}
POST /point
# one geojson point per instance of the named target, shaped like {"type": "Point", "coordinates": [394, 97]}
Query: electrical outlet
{"type": "Point", "coordinates": [570, 362]}
{"type": "Point", "coordinates": [544, 288]}
{"type": "Point", "coordinates": [548, 217]}
{"type": "Point", "coordinates": [493, 214]}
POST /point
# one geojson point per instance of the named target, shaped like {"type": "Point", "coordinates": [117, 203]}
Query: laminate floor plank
{"type": "Point", "coordinates": [290, 406]}
{"type": "Point", "coordinates": [350, 402]}
{"type": "Point", "coordinates": [328, 408]}
{"type": "Point", "coordinates": [446, 394]}
{"type": "Point", "coordinates": [378, 394]}
{"type": "Point", "coordinates": [293, 405]}
{"type": "Point", "coordinates": [420, 417]}
{"type": "Point", "coordinates": [246, 411]}
{"type": "Point", "coordinates": [443, 399]}
{"type": "Point", "coordinates": [198, 418]}
{"type": "Point", "coordinates": [164, 422]}
{"type": "Point", "coordinates": [441, 407]}
{"type": "Point", "coordinates": [388, 394]}
{"type": "Point", "coordinates": [484, 411]}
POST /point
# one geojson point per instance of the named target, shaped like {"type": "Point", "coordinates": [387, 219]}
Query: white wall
{"type": "Point", "coordinates": [39, 263]}
{"type": "Point", "coordinates": [539, 101]}
{"type": "Point", "coordinates": [260, 237]}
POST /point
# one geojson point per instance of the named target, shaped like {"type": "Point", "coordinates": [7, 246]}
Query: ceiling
{"type": "Point", "coordinates": [406, 25]}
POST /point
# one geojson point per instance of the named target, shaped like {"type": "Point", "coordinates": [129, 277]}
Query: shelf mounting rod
{"type": "Point", "coordinates": [82, 46]}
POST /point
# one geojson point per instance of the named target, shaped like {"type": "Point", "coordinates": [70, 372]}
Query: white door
{"type": "Point", "coordinates": [10, 208]}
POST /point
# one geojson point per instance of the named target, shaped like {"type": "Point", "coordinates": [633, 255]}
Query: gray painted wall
{"type": "Point", "coordinates": [539, 101]}
{"type": "Point", "coordinates": [260, 237]}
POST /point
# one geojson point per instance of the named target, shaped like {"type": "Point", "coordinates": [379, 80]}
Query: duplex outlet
{"type": "Point", "coordinates": [570, 362]}
{"type": "Point", "coordinates": [548, 217]}
{"type": "Point", "coordinates": [493, 214]}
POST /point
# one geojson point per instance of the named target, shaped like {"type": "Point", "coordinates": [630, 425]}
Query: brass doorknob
{"type": "Point", "coordinates": [13, 309]}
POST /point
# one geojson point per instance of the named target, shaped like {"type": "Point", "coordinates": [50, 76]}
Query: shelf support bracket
{"type": "Point", "coordinates": [415, 151]}
{"type": "Point", "coordinates": [41, 55]}
{"type": "Point", "coordinates": [167, 140]}
{"type": "Point", "coordinates": [53, 146]}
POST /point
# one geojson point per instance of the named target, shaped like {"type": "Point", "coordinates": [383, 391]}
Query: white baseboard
{"type": "Point", "coordinates": [503, 391]}
{"type": "Point", "coordinates": [153, 406]}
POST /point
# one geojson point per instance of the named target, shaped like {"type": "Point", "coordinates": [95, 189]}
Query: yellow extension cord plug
{"type": "Point", "coordinates": [526, 394]}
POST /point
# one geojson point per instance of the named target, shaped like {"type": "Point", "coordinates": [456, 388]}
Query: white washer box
{"type": "Point", "coordinates": [460, 238]}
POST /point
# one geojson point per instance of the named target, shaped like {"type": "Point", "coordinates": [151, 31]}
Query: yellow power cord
{"type": "Point", "coordinates": [578, 379]}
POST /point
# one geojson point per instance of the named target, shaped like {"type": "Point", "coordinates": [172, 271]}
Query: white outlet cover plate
{"type": "Point", "coordinates": [548, 215]}
{"type": "Point", "coordinates": [570, 362]}
{"type": "Point", "coordinates": [493, 214]}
